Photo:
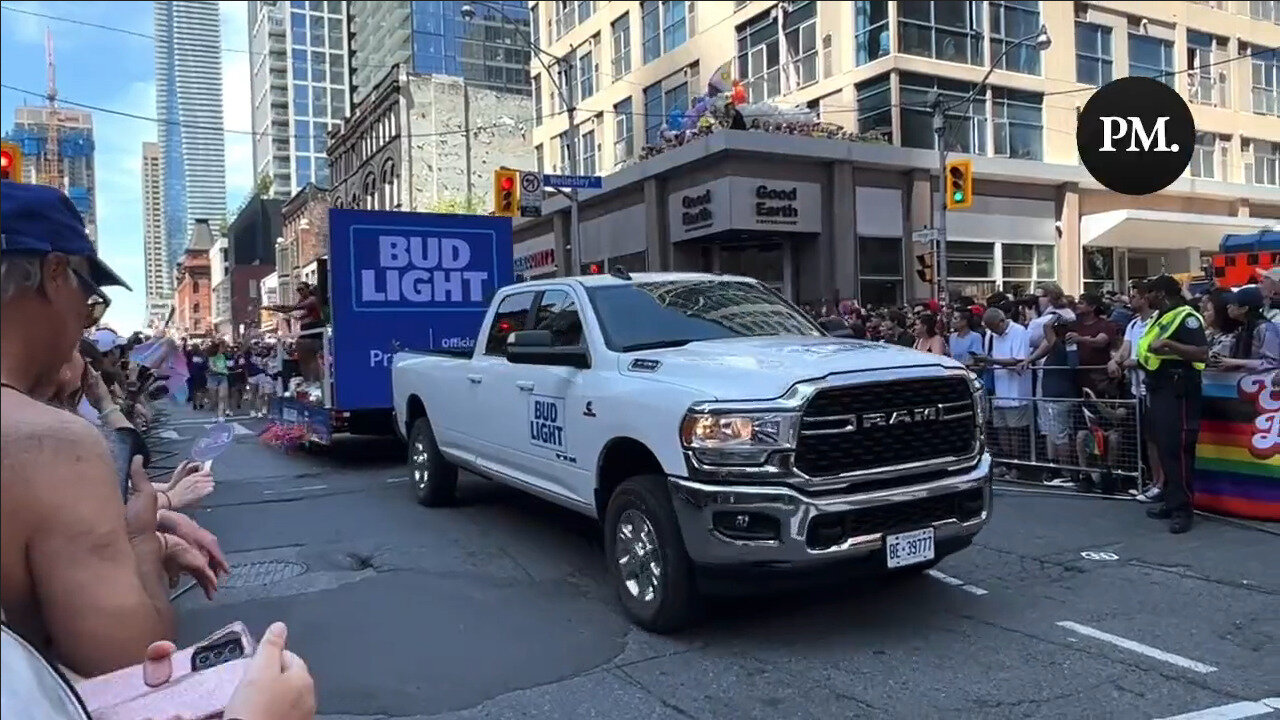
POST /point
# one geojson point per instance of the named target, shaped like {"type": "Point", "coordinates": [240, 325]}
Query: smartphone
{"type": "Point", "coordinates": [204, 677]}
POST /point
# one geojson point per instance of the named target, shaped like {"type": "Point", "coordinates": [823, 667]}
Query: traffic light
{"type": "Point", "coordinates": [925, 271]}
{"type": "Point", "coordinates": [506, 193]}
{"type": "Point", "coordinates": [959, 181]}
{"type": "Point", "coordinates": [11, 161]}
{"type": "Point", "coordinates": [594, 269]}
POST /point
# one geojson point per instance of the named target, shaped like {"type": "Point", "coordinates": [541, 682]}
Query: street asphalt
{"type": "Point", "coordinates": [1066, 607]}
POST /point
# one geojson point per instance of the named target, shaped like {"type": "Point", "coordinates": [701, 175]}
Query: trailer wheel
{"type": "Point", "coordinates": [434, 478]}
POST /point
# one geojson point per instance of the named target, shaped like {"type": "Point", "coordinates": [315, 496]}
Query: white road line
{"type": "Point", "coordinates": [1138, 647]}
{"type": "Point", "coordinates": [298, 489]}
{"type": "Point", "coordinates": [169, 435]}
{"type": "Point", "coordinates": [1234, 711]}
{"type": "Point", "coordinates": [396, 480]}
{"type": "Point", "coordinates": [956, 582]}
{"type": "Point", "coordinates": [206, 421]}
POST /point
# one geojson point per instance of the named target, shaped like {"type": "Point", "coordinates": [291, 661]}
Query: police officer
{"type": "Point", "coordinates": [1173, 351]}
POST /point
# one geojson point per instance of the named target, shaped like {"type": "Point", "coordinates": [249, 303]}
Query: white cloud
{"type": "Point", "coordinates": [237, 101]}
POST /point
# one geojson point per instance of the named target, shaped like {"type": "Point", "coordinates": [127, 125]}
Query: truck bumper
{"type": "Point", "coordinates": [776, 526]}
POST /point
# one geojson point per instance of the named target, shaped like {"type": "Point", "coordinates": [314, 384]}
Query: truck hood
{"type": "Point", "coordinates": [763, 368]}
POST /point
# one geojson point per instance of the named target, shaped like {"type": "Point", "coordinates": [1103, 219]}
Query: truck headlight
{"type": "Point", "coordinates": [738, 438]}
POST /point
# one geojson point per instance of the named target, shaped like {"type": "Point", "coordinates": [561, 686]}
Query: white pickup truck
{"type": "Point", "coordinates": [711, 427]}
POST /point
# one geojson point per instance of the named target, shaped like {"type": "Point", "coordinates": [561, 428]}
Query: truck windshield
{"type": "Point", "coordinates": [671, 313]}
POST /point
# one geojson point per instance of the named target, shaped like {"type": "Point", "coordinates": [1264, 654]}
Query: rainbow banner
{"type": "Point", "coordinates": [1238, 454]}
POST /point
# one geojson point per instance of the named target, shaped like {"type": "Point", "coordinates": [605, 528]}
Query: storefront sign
{"type": "Point", "coordinates": [738, 203]}
{"type": "Point", "coordinates": [536, 257]}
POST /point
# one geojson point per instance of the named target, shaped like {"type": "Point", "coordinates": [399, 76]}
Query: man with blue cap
{"type": "Point", "coordinates": [82, 572]}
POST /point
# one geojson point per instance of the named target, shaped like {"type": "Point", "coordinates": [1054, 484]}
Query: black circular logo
{"type": "Point", "coordinates": [1135, 135]}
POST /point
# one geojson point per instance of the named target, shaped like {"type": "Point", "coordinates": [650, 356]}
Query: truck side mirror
{"type": "Point", "coordinates": [534, 347]}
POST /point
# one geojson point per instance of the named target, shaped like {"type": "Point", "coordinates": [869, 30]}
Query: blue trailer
{"type": "Point", "coordinates": [396, 279]}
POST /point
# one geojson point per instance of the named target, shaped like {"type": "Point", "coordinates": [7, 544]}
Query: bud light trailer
{"type": "Point", "coordinates": [395, 280]}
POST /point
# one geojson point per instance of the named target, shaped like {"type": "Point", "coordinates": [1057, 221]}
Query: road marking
{"type": "Point", "coordinates": [1138, 647]}
{"type": "Point", "coordinates": [396, 480]}
{"type": "Point", "coordinates": [1234, 711]}
{"type": "Point", "coordinates": [205, 421]}
{"type": "Point", "coordinates": [299, 489]}
{"type": "Point", "coordinates": [955, 582]}
{"type": "Point", "coordinates": [169, 435]}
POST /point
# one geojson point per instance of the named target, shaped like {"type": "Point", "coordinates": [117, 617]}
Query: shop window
{"type": "Point", "coordinates": [878, 293]}
{"type": "Point", "coordinates": [1018, 126]}
{"type": "Point", "coordinates": [871, 30]}
{"type": "Point", "coordinates": [875, 106]}
{"type": "Point", "coordinates": [1095, 64]}
{"type": "Point", "coordinates": [966, 130]}
{"type": "Point", "coordinates": [1265, 92]}
{"type": "Point", "coordinates": [971, 261]}
{"type": "Point", "coordinates": [880, 257]}
{"type": "Point", "coordinates": [1151, 57]}
{"type": "Point", "coordinates": [621, 31]}
{"type": "Point", "coordinates": [631, 262]}
{"type": "Point", "coordinates": [1029, 264]}
{"type": "Point", "coordinates": [758, 63]}
{"type": "Point", "coordinates": [949, 30]}
{"type": "Point", "coordinates": [1099, 269]}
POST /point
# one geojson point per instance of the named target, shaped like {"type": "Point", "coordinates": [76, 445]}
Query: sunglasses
{"type": "Point", "coordinates": [97, 301]}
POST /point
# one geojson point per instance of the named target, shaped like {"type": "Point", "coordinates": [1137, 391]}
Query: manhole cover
{"type": "Point", "coordinates": [263, 572]}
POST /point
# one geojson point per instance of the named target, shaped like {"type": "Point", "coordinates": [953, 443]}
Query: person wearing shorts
{"type": "Point", "coordinates": [1006, 348]}
{"type": "Point", "coordinates": [218, 382]}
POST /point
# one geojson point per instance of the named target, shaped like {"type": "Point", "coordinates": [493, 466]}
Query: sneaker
{"type": "Point", "coordinates": [1059, 482]}
{"type": "Point", "coordinates": [1180, 523]}
{"type": "Point", "coordinates": [1152, 494]}
{"type": "Point", "coordinates": [1159, 512]}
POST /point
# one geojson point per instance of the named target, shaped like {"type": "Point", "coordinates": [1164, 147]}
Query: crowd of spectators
{"type": "Point", "coordinates": [1061, 372]}
{"type": "Point", "coordinates": [92, 546]}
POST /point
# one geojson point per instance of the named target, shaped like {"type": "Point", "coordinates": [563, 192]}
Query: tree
{"type": "Point", "coordinates": [264, 186]}
{"type": "Point", "coordinates": [457, 206]}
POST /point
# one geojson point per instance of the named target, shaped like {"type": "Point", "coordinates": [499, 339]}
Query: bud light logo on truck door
{"type": "Point", "coordinates": [421, 280]}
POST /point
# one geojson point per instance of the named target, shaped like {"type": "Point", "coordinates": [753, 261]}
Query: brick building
{"type": "Point", "coordinates": [304, 238]}
{"type": "Point", "coordinates": [193, 297]}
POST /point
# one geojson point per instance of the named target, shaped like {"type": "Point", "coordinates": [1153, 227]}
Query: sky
{"type": "Point", "coordinates": [115, 71]}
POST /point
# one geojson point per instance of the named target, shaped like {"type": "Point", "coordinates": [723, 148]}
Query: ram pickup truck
{"type": "Point", "coordinates": [710, 426]}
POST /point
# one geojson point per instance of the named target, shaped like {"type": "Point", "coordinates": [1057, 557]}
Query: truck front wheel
{"type": "Point", "coordinates": [647, 558]}
{"type": "Point", "coordinates": [434, 478]}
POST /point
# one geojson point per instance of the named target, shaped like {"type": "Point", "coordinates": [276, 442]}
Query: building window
{"type": "Point", "coordinates": [1206, 83]}
{"type": "Point", "coordinates": [966, 127]}
{"type": "Point", "coordinates": [1151, 57]}
{"type": "Point", "coordinates": [539, 160]}
{"type": "Point", "coordinates": [675, 98]}
{"type": "Point", "coordinates": [871, 30]}
{"type": "Point", "coordinates": [535, 26]}
{"type": "Point", "coordinates": [879, 271]}
{"type": "Point", "coordinates": [624, 122]}
{"type": "Point", "coordinates": [758, 57]}
{"type": "Point", "coordinates": [621, 31]}
{"type": "Point", "coordinates": [567, 165]}
{"type": "Point", "coordinates": [664, 26]}
{"type": "Point", "coordinates": [1268, 10]}
{"type": "Point", "coordinates": [566, 17]}
{"type": "Point", "coordinates": [1265, 93]}
{"type": "Point", "coordinates": [587, 152]}
{"type": "Point", "coordinates": [1204, 159]}
{"type": "Point", "coordinates": [567, 72]}
{"type": "Point", "coordinates": [1094, 53]}
{"type": "Point", "coordinates": [653, 116]}
{"type": "Point", "coordinates": [1026, 265]}
{"type": "Point", "coordinates": [585, 9]}
{"type": "Point", "coordinates": [1017, 124]}
{"type": "Point", "coordinates": [1261, 162]}
{"type": "Point", "coordinates": [586, 75]}
{"type": "Point", "coordinates": [537, 100]}
{"type": "Point", "coordinates": [1011, 21]}
{"type": "Point", "coordinates": [949, 30]}
{"type": "Point", "coordinates": [875, 106]}
{"type": "Point", "coordinates": [800, 33]}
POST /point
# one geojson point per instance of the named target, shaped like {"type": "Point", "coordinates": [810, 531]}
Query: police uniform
{"type": "Point", "coordinates": [1174, 397]}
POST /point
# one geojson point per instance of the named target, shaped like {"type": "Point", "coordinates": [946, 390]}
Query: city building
{"type": "Point", "coordinates": [192, 296]}
{"type": "Point", "coordinates": [188, 57]}
{"type": "Point", "coordinates": [250, 256]}
{"type": "Point", "coordinates": [269, 291]}
{"type": "Point", "coordinates": [57, 147]}
{"type": "Point", "coordinates": [158, 274]}
{"type": "Point", "coordinates": [303, 240]}
{"type": "Point", "coordinates": [298, 61]}
{"type": "Point", "coordinates": [488, 49]}
{"type": "Point", "coordinates": [427, 143]}
{"type": "Point", "coordinates": [871, 67]}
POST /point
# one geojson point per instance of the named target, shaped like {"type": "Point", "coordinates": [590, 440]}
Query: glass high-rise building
{"type": "Point", "coordinates": [490, 50]}
{"type": "Point", "coordinates": [188, 57]}
{"type": "Point", "coordinates": [298, 77]}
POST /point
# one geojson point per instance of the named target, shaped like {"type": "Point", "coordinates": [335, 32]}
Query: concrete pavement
{"type": "Point", "coordinates": [1066, 607]}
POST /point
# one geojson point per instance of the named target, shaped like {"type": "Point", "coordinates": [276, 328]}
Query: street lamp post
{"type": "Point", "coordinates": [468, 13]}
{"type": "Point", "coordinates": [1042, 41]}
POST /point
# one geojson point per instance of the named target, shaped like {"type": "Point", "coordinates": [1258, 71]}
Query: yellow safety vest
{"type": "Point", "coordinates": [1160, 328]}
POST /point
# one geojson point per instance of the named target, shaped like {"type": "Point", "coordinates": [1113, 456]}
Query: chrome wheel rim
{"type": "Point", "coordinates": [637, 554]}
{"type": "Point", "coordinates": [421, 468]}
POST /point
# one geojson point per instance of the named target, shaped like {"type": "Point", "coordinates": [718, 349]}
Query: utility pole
{"type": "Point", "coordinates": [940, 203]}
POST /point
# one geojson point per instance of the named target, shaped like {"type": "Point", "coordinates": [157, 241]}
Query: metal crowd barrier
{"type": "Point", "coordinates": [1039, 439]}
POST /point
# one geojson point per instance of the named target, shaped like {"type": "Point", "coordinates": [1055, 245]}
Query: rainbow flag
{"type": "Point", "coordinates": [164, 357]}
{"type": "Point", "coordinates": [1238, 454]}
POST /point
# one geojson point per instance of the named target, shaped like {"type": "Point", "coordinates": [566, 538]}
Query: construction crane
{"type": "Point", "coordinates": [52, 166]}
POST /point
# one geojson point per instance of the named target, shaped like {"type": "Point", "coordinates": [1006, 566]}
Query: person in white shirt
{"type": "Point", "coordinates": [1007, 346]}
{"type": "Point", "coordinates": [1269, 284]}
{"type": "Point", "coordinates": [1125, 360]}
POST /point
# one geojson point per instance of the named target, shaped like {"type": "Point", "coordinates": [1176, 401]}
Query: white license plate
{"type": "Point", "coordinates": [909, 548]}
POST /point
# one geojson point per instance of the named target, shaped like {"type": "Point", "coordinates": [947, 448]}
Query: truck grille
{"type": "Point", "coordinates": [831, 529]}
{"type": "Point", "coordinates": [863, 427]}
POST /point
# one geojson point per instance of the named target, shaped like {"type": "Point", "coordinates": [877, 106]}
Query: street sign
{"type": "Point", "coordinates": [925, 236]}
{"type": "Point", "coordinates": [530, 194]}
{"type": "Point", "coordinates": [574, 182]}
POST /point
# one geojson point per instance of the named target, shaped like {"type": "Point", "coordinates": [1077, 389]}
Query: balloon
{"type": "Point", "coordinates": [701, 107]}
{"type": "Point", "coordinates": [690, 120]}
{"type": "Point", "coordinates": [739, 95]}
{"type": "Point", "coordinates": [218, 439]}
{"type": "Point", "coordinates": [675, 118]}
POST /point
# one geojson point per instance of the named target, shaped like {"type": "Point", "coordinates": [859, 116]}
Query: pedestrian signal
{"type": "Point", "coordinates": [11, 161]}
{"type": "Point", "coordinates": [506, 193]}
{"type": "Point", "coordinates": [959, 180]}
{"type": "Point", "coordinates": [925, 269]}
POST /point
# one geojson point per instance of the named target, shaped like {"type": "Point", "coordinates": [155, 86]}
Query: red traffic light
{"type": "Point", "coordinates": [6, 160]}
{"type": "Point", "coordinates": [507, 183]}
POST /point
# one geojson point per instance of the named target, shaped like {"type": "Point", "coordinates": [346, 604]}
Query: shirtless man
{"type": "Point", "coordinates": [81, 574]}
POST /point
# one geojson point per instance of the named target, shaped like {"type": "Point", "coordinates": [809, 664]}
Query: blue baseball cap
{"type": "Point", "coordinates": [41, 219]}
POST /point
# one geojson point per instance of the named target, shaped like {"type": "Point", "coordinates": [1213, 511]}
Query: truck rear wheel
{"type": "Point", "coordinates": [647, 558]}
{"type": "Point", "coordinates": [434, 478]}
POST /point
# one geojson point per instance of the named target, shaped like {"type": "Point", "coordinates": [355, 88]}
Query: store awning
{"type": "Point", "coordinates": [1162, 230]}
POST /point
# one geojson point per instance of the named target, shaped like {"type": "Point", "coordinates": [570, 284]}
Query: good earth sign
{"type": "Point", "coordinates": [419, 279]}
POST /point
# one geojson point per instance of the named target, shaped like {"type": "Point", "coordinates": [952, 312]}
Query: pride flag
{"type": "Point", "coordinates": [165, 358]}
{"type": "Point", "coordinates": [1238, 454]}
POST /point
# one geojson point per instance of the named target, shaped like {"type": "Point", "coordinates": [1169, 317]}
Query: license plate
{"type": "Point", "coordinates": [909, 548]}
